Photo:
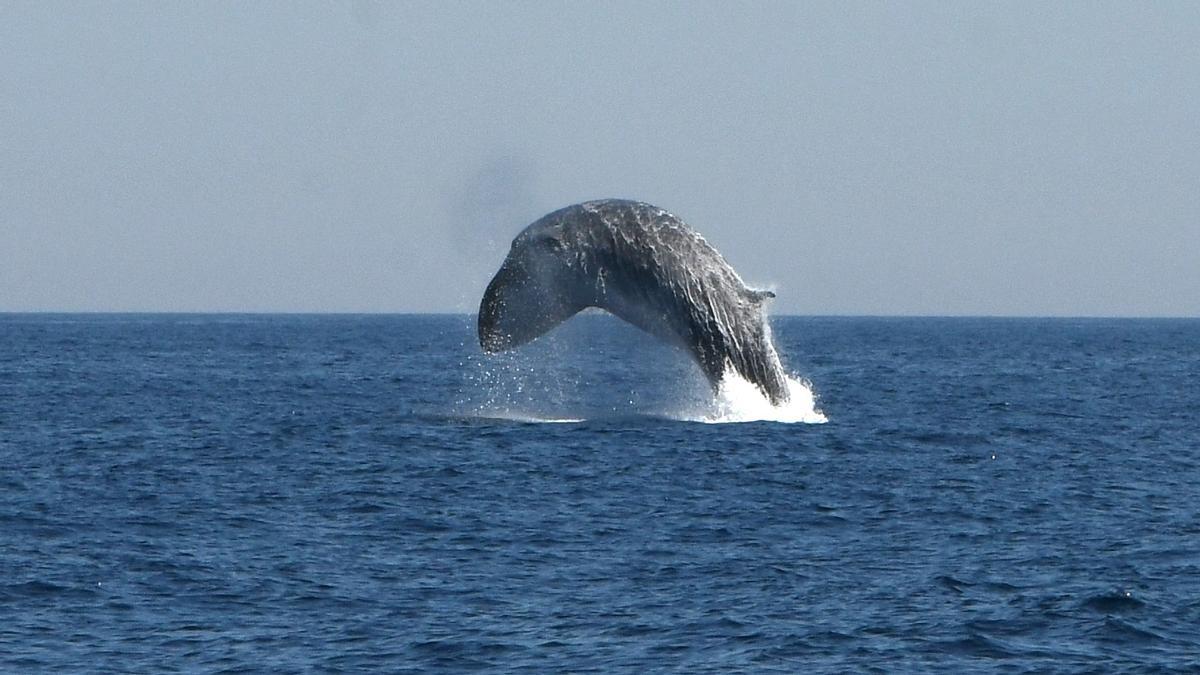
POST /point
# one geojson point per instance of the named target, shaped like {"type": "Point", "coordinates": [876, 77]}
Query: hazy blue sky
{"type": "Point", "coordinates": [878, 158]}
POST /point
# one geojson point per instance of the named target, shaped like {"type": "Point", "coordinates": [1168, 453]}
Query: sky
{"type": "Point", "coordinates": [953, 158]}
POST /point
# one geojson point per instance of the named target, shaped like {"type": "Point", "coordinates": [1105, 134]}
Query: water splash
{"type": "Point", "coordinates": [508, 396]}
{"type": "Point", "coordinates": [739, 400]}
{"type": "Point", "coordinates": [597, 368]}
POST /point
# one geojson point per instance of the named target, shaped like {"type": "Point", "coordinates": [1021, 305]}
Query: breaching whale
{"type": "Point", "coordinates": [643, 265]}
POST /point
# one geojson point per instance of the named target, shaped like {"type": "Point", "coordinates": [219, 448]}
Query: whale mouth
{"type": "Point", "coordinates": [493, 338]}
{"type": "Point", "coordinates": [525, 300]}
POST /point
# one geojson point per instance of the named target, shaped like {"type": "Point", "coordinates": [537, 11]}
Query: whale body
{"type": "Point", "coordinates": [645, 266]}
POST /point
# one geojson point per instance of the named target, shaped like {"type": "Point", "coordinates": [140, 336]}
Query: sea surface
{"type": "Point", "coordinates": [344, 493]}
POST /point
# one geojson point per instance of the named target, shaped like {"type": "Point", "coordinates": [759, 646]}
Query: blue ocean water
{"type": "Point", "coordinates": [227, 492]}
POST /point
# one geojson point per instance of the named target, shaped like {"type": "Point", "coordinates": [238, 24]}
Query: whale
{"type": "Point", "coordinates": [644, 265]}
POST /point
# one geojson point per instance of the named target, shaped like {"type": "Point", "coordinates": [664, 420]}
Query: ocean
{"type": "Point", "coordinates": [370, 492]}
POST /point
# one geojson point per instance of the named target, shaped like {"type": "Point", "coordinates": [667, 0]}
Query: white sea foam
{"type": "Point", "coordinates": [739, 400]}
{"type": "Point", "coordinates": [527, 418]}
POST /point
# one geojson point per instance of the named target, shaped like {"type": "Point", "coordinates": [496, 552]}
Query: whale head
{"type": "Point", "coordinates": [536, 289]}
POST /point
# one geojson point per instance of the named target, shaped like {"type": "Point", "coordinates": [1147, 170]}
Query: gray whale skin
{"type": "Point", "coordinates": [643, 265]}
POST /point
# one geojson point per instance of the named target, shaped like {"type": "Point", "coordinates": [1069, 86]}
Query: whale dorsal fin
{"type": "Point", "coordinates": [759, 296]}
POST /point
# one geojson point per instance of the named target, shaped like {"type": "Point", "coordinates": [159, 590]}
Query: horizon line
{"type": "Point", "coordinates": [332, 313]}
